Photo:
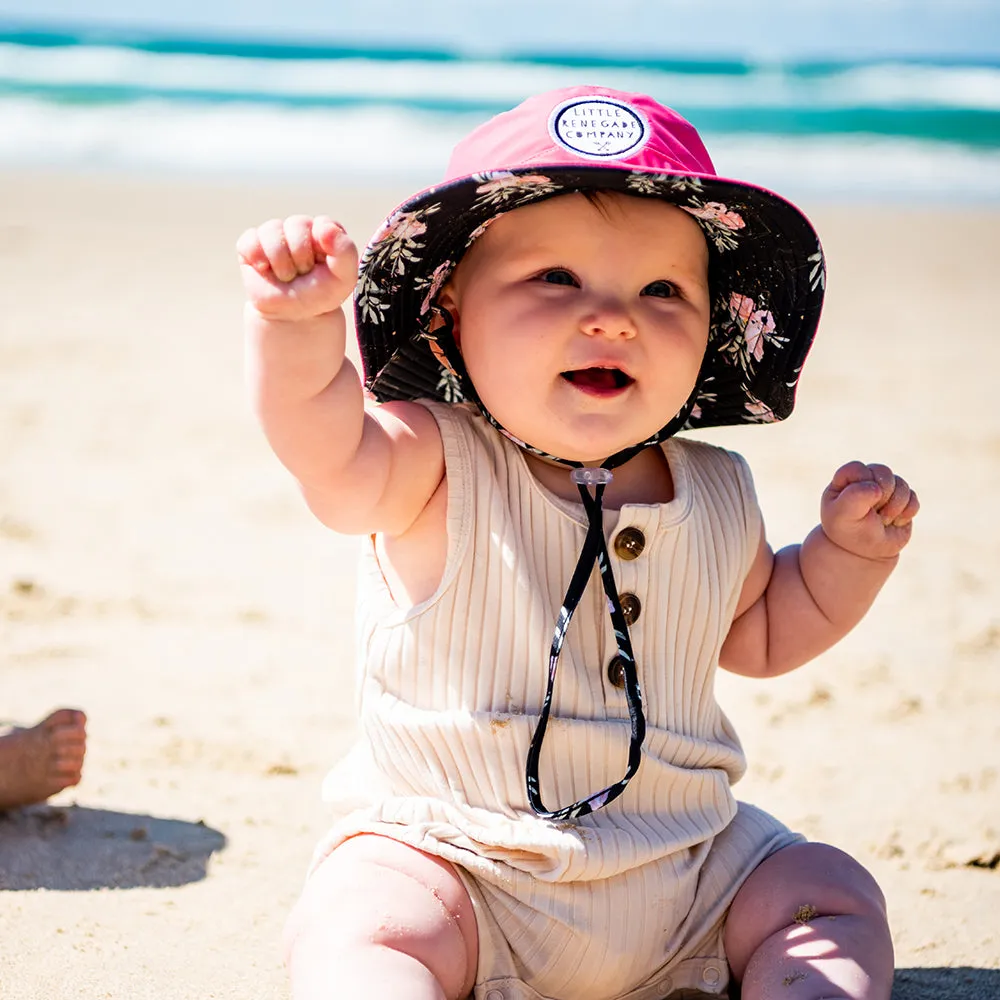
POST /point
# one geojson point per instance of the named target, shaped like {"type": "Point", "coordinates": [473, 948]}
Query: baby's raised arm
{"type": "Point", "coordinates": [363, 468]}
{"type": "Point", "coordinates": [798, 602]}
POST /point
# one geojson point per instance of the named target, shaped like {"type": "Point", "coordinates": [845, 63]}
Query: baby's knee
{"type": "Point", "coordinates": [805, 880]}
{"type": "Point", "coordinates": [369, 896]}
{"type": "Point", "coordinates": [839, 883]}
{"type": "Point", "coordinates": [794, 886]}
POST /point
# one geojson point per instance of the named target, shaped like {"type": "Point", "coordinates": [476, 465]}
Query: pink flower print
{"type": "Point", "coordinates": [407, 227]}
{"type": "Point", "coordinates": [480, 229]}
{"type": "Point", "coordinates": [695, 413]}
{"type": "Point", "coordinates": [438, 278]}
{"type": "Point", "coordinates": [504, 188]}
{"type": "Point", "coordinates": [740, 309]}
{"type": "Point", "coordinates": [717, 213]}
{"type": "Point", "coordinates": [759, 329]}
{"type": "Point", "coordinates": [757, 325]}
{"type": "Point", "coordinates": [503, 182]}
{"type": "Point", "coordinates": [439, 355]}
{"type": "Point", "coordinates": [761, 412]}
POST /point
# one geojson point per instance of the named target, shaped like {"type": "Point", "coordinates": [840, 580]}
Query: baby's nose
{"type": "Point", "coordinates": [611, 321]}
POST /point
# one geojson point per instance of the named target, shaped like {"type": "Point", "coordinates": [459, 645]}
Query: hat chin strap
{"type": "Point", "coordinates": [594, 550]}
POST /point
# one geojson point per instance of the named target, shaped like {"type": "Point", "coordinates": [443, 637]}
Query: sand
{"type": "Point", "coordinates": [158, 570]}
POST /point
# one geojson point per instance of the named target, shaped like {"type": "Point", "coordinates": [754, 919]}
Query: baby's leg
{"type": "Point", "coordinates": [381, 919]}
{"type": "Point", "coordinates": [810, 924]}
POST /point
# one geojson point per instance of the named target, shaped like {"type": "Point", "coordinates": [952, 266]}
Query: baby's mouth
{"type": "Point", "coordinates": [600, 381]}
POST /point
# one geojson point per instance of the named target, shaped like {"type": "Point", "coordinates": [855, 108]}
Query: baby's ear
{"type": "Point", "coordinates": [446, 302]}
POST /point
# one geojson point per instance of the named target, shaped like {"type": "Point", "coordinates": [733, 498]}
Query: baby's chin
{"type": "Point", "coordinates": [586, 452]}
{"type": "Point", "coordinates": [587, 438]}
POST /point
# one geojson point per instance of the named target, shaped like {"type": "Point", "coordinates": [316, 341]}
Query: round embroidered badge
{"type": "Point", "coordinates": [598, 128]}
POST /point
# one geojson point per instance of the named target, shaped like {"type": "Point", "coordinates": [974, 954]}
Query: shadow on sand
{"type": "Point", "coordinates": [74, 848]}
{"type": "Point", "coordinates": [962, 983]}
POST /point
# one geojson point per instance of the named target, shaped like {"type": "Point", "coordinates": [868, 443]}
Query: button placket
{"type": "Point", "coordinates": [628, 551]}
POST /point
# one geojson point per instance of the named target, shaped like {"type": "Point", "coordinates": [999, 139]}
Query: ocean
{"type": "Point", "coordinates": [881, 99]}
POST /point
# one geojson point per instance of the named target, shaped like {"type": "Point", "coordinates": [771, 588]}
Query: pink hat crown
{"type": "Point", "coordinates": [584, 125]}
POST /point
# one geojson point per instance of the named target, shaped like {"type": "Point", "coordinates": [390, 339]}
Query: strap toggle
{"type": "Point", "coordinates": [591, 477]}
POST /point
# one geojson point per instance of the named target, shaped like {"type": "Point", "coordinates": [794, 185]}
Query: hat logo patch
{"type": "Point", "coordinates": [598, 128]}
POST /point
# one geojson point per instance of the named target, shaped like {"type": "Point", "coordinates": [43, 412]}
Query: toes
{"type": "Point", "coordinates": [66, 764]}
{"type": "Point", "coordinates": [65, 776]}
{"type": "Point", "coordinates": [62, 718]}
{"type": "Point", "coordinates": [71, 738]}
{"type": "Point", "coordinates": [67, 756]}
{"type": "Point", "coordinates": [65, 729]}
{"type": "Point", "coordinates": [68, 746]}
{"type": "Point", "coordinates": [67, 733]}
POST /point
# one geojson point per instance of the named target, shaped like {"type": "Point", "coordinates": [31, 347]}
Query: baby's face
{"type": "Point", "coordinates": [583, 326]}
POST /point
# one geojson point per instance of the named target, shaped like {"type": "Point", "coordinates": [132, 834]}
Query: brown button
{"type": "Point", "coordinates": [631, 608]}
{"type": "Point", "coordinates": [616, 671]}
{"type": "Point", "coordinates": [629, 543]}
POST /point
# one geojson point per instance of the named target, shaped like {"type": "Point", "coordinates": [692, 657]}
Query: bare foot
{"type": "Point", "coordinates": [38, 762]}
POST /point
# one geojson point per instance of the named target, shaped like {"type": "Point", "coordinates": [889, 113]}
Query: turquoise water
{"type": "Point", "coordinates": [902, 115]}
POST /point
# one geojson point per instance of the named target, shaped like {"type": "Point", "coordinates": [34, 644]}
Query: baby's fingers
{"type": "Point", "coordinates": [908, 513]}
{"type": "Point", "coordinates": [861, 487]}
{"type": "Point", "coordinates": [851, 472]}
{"type": "Point", "coordinates": [251, 253]}
{"type": "Point", "coordinates": [886, 480]}
{"type": "Point", "coordinates": [856, 500]}
{"type": "Point", "coordinates": [299, 240]}
{"type": "Point", "coordinates": [265, 251]}
{"type": "Point", "coordinates": [330, 240]}
{"type": "Point", "coordinates": [897, 502]}
{"type": "Point", "coordinates": [274, 243]}
{"type": "Point", "coordinates": [324, 233]}
{"type": "Point", "coordinates": [279, 250]}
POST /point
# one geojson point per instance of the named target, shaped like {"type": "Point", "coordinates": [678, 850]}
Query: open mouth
{"type": "Point", "coordinates": [598, 380]}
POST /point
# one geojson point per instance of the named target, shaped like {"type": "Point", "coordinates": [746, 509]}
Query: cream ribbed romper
{"type": "Point", "coordinates": [628, 901]}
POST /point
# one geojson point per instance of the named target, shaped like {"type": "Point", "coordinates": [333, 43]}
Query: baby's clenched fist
{"type": "Point", "coordinates": [868, 510]}
{"type": "Point", "coordinates": [297, 268]}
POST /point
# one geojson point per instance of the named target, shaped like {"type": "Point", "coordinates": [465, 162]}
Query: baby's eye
{"type": "Point", "coordinates": [558, 276]}
{"type": "Point", "coordinates": [660, 289]}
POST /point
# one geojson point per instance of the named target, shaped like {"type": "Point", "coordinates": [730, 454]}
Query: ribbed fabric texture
{"type": "Point", "coordinates": [629, 902]}
{"type": "Point", "coordinates": [450, 690]}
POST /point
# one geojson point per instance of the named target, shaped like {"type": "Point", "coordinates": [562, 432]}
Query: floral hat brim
{"type": "Point", "coordinates": [766, 272]}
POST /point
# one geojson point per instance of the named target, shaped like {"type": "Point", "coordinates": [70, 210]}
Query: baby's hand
{"type": "Point", "coordinates": [297, 268]}
{"type": "Point", "coordinates": [868, 510]}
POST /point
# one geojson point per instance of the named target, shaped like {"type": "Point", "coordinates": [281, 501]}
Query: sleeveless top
{"type": "Point", "coordinates": [450, 689]}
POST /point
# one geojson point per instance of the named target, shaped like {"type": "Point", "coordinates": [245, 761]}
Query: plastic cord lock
{"type": "Point", "coordinates": [590, 477]}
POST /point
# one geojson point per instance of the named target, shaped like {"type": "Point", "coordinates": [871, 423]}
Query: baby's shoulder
{"type": "Point", "coordinates": [450, 417]}
{"type": "Point", "coordinates": [703, 455]}
{"type": "Point", "coordinates": [716, 475]}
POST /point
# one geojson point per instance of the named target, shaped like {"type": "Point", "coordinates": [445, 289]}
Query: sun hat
{"type": "Point", "coordinates": [766, 276]}
{"type": "Point", "coordinates": [766, 263]}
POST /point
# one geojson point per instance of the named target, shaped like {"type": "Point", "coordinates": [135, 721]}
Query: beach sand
{"type": "Point", "coordinates": [158, 570]}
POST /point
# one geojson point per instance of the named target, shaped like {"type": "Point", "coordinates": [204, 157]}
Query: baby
{"type": "Point", "coordinates": [540, 804]}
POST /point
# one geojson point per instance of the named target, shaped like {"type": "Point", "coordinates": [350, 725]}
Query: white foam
{"type": "Point", "coordinates": [233, 138]}
{"type": "Point", "coordinates": [385, 143]}
{"type": "Point", "coordinates": [868, 166]}
{"type": "Point", "coordinates": [496, 84]}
